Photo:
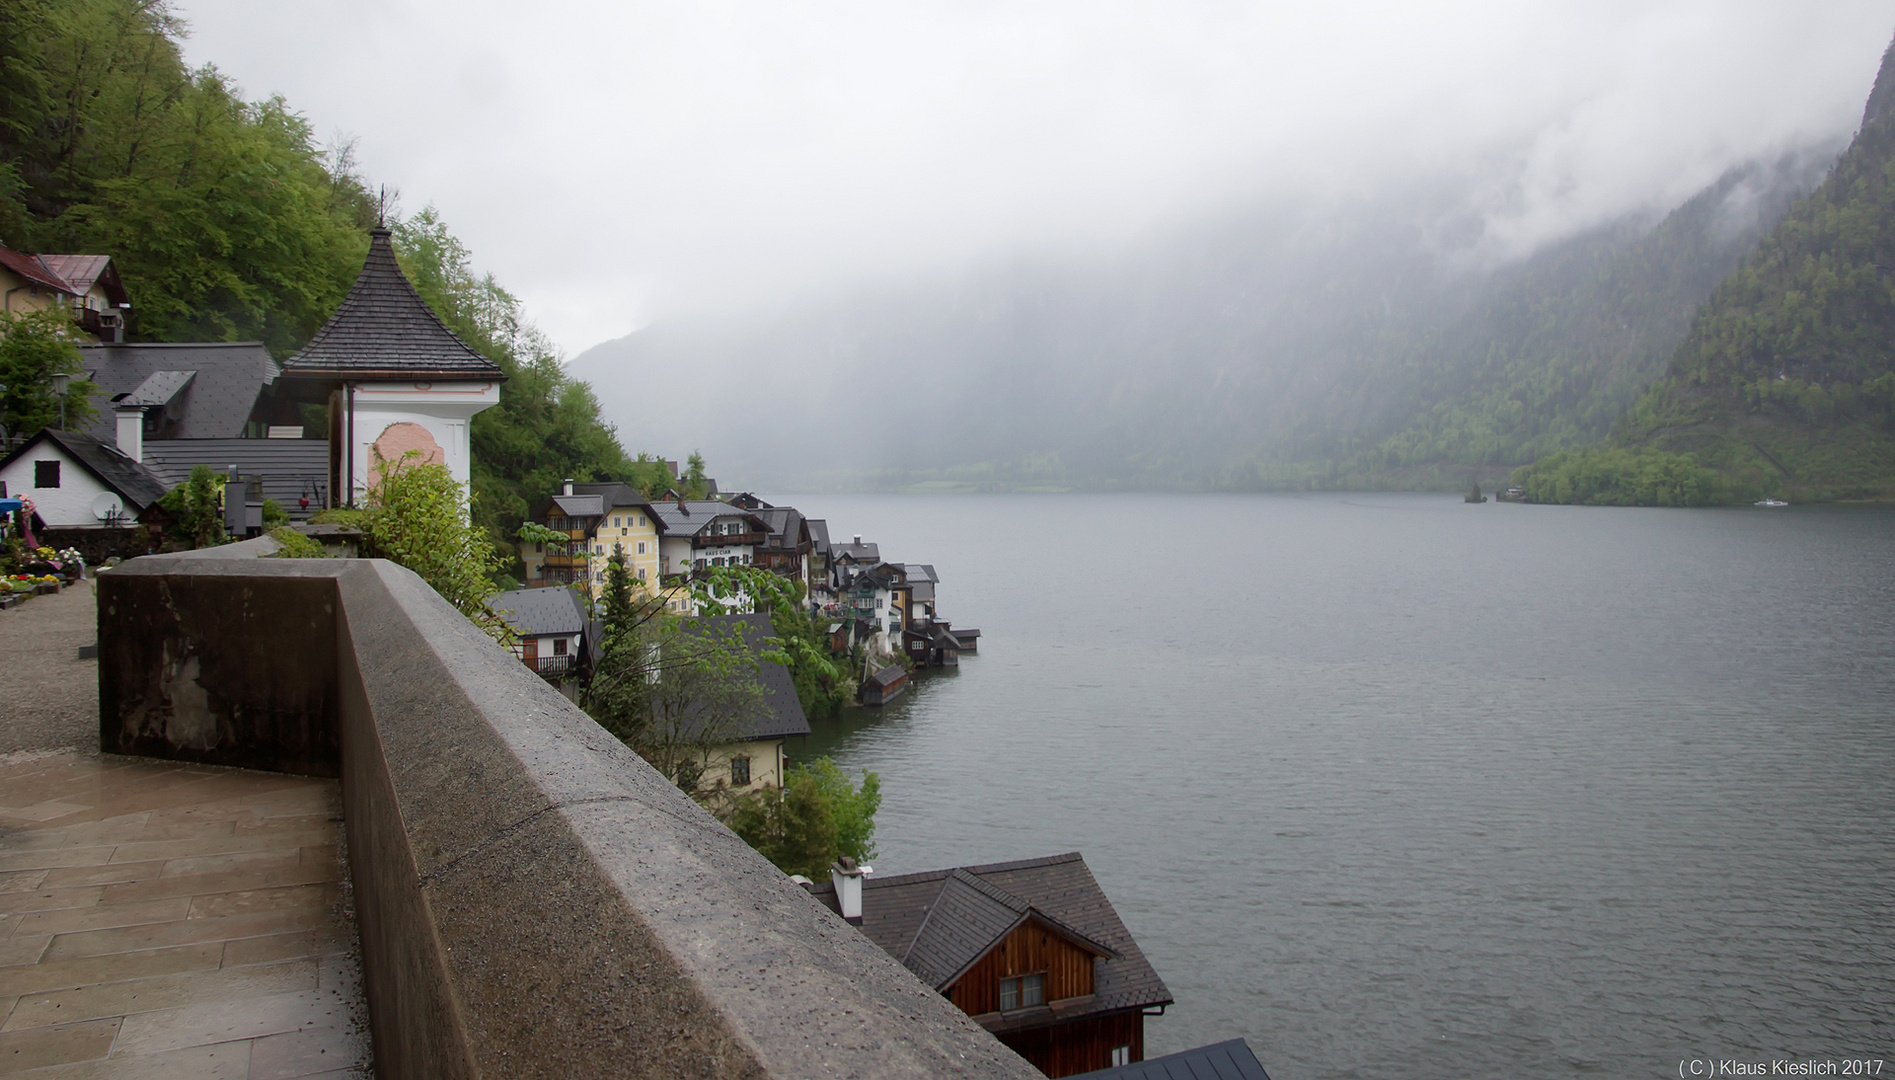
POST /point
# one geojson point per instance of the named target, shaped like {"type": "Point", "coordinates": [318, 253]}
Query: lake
{"type": "Point", "coordinates": [1395, 786]}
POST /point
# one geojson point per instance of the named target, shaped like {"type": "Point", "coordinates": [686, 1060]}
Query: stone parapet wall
{"type": "Point", "coordinates": [534, 900]}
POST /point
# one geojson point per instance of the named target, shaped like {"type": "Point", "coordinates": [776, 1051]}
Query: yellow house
{"type": "Point", "coordinates": [87, 285]}
{"type": "Point", "coordinates": [754, 758]}
{"type": "Point", "coordinates": [29, 284]}
{"type": "Point", "coordinates": [600, 519]}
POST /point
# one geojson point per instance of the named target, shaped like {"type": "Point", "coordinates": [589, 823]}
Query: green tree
{"type": "Point", "coordinates": [196, 510]}
{"type": "Point", "coordinates": [816, 818]}
{"type": "Point", "coordinates": [415, 518]}
{"type": "Point", "coordinates": [34, 347]}
{"type": "Point", "coordinates": [696, 484]}
{"type": "Point", "coordinates": [799, 640]}
{"type": "Point", "coordinates": [671, 688]}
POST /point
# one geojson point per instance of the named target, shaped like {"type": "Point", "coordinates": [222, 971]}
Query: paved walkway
{"type": "Point", "coordinates": [49, 698]}
{"type": "Point", "coordinates": [160, 920]}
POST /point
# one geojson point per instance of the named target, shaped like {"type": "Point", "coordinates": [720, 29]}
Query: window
{"type": "Point", "coordinates": [641, 521]}
{"type": "Point", "coordinates": [559, 646]}
{"type": "Point", "coordinates": [1121, 1055]}
{"type": "Point", "coordinates": [1023, 992]}
{"type": "Point", "coordinates": [641, 547]}
{"type": "Point", "coordinates": [46, 474]}
{"type": "Point", "coordinates": [740, 772]}
{"type": "Point", "coordinates": [641, 573]}
{"type": "Point", "coordinates": [615, 522]}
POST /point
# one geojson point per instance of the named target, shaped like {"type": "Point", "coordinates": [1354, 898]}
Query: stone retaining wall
{"type": "Point", "coordinates": [534, 900]}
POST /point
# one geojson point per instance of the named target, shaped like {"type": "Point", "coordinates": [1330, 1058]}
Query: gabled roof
{"type": "Point", "coordinates": [84, 271]}
{"type": "Point", "coordinates": [32, 269]}
{"type": "Point", "coordinates": [895, 909]}
{"type": "Point", "coordinates": [861, 553]}
{"type": "Point", "coordinates": [133, 482]}
{"type": "Point", "coordinates": [785, 526]}
{"type": "Point", "coordinates": [290, 468]}
{"type": "Point", "coordinates": [819, 534]}
{"type": "Point", "coordinates": [553, 609]}
{"type": "Point", "coordinates": [383, 329]}
{"type": "Point", "coordinates": [579, 505]}
{"type": "Point", "coordinates": [1229, 1060]}
{"type": "Point", "coordinates": [968, 918]}
{"type": "Point", "coordinates": [690, 519]}
{"type": "Point", "coordinates": [782, 713]}
{"type": "Point", "coordinates": [920, 571]}
{"type": "Point", "coordinates": [216, 404]}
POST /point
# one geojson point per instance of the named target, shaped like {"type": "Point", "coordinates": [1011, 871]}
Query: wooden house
{"type": "Point", "coordinates": [1031, 950]}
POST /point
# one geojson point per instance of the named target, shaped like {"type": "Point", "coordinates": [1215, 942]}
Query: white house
{"type": "Point", "coordinates": [395, 377]}
{"type": "Point", "coordinates": [78, 482]}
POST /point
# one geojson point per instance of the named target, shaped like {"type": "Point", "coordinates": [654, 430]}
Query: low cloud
{"type": "Point", "coordinates": [616, 163]}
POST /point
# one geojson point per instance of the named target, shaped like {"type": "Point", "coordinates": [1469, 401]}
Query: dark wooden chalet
{"type": "Point", "coordinates": [1031, 950]}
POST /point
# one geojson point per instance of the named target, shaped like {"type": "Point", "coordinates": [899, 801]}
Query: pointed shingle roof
{"type": "Point", "coordinates": [384, 330]}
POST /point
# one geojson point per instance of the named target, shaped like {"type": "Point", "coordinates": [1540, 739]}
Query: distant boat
{"type": "Point", "coordinates": [1770, 502]}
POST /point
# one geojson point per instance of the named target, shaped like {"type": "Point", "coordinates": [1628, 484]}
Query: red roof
{"type": "Point", "coordinates": [30, 268]}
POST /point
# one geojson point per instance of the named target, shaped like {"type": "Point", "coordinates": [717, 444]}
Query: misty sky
{"type": "Point", "coordinates": [612, 162]}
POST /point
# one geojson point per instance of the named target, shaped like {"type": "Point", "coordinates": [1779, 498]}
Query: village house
{"type": "Point", "coordinates": [749, 753]}
{"type": "Point", "coordinates": [701, 533]}
{"type": "Point", "coordinates": [599, 519]}
{"type": "Point", "coordinates": [550, 624]}
{"type": "Point", "coordinates": [87, 285]}
{"type": "Point", "coordinates": [78, 482]}
{"type": "Point", "coordinates": [1031, 950]}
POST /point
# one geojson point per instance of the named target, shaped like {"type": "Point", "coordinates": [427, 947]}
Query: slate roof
{"type": "Point", "coordinates": [696, 514]}
{"type": "Point", "coordinates": [159, 389]}
{"type": "Point", "coordinates": [785, 526]}
{"type": "Point", "coordinates": [579, 505]}
{"type": "Point", "coordinates": [611, 493]}
{"type": "Point", "coordinates": [290, 468]}
{"type": "Point", "coordinates": [896, 910]}
{"type": "Point", "coordinates": [32, 269]}
{"type": "Point", "coordinates": [782, 713]}
{"type": "Point", "coordinates": [1231, 1060]}
{"type": "Point", "coordinates": [968, 918]}
{"type": "Point", "coordinates": [216, 404]}
{"type": "Point", "coordinates": [920, 571]}
{"type": "Point", "coordinates": [554, 609]}
{"type": "Point", "coordinates": [819, 533]}
{"type": "Point", "coordinates": [861, 553]}
{"type": "Point", "coordinates": [134, 482]}
{"type": "Point", "coordinates": [383, 329]}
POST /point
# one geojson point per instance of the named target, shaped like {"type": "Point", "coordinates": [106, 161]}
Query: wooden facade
{"type": "Point", "coordinates": [1081, 1045]}
{"type": "Point", "coordinates": [1034, 948]}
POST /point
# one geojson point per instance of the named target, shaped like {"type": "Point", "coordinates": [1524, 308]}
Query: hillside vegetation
{"type": "Point", "coordinates": [1785, 384]}
{"type": "Point", "coordinates": [228, 221]}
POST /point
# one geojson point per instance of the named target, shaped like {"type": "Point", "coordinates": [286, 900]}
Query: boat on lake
{"type": "Point", "coordinates": [1770, 502]}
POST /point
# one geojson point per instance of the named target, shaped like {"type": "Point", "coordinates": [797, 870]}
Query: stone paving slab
{"type": "Point", "coordinates": [163, 920]}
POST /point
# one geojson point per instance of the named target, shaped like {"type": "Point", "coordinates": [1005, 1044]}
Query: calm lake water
{"type": "Point", "coordinates": [1398, 787]}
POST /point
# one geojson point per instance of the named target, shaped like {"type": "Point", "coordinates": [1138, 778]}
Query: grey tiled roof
{"type": "Point", "coordinates": [134, 482]}
{"type": "Point", "coordinates": [861, 553]}
{"type": "Point", "coordinates": [554, 609]}
{"type": "Point", "coordinates": [159, 388]}
{"type": "Point", "coordinates": [384, 329]}
{"type": "Point", "coordinates": [782, 714]}
{"type": "Point", "coordinates": [1059, 887]}
{"type": "Point", "coordinates": [1230, 1060]}
{"type": "Point", "coordinates": [695, 514]}
{"type": "Point", "coordinates": [579, 505]}
{"type": "Point", "coordinates": [215, 405]}
{"type": "Point", "coordinates": [920, 571]}
{"type": "Point", "coordinates": [290, 468]}
{"type": "Point", "coordinates": [819, 534]}
{"type": "Point", "coordinates": [967, 918]}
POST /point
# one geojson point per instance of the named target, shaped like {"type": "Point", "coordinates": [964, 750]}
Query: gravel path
{"type": "Point", "coordinates": [49, 698]}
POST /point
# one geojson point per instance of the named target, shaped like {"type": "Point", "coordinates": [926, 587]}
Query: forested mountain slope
{"type": "Point", "coordinates": [1786, 382]}
{"type": "Point", "coordinates": [228, 221]}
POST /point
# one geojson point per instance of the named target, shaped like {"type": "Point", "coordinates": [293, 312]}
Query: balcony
{"type": "Point", "coordinates": [551, 667]}
{"type": "Point", "coordinates": [708, 540]}
{"type": "Point", "coordinates": [533, 899]}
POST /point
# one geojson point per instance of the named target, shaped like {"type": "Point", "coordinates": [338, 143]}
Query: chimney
{"type": "Point", "coordinates": [131, 432]}
{"type": "Point", "coordinates": [858, 539]}
{"type": "Point", "coordinates": [846, 876]}
{"type": "Point", "coordinates": [568, 490]}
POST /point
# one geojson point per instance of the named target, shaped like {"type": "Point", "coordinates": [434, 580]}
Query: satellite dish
{"type": "Point", "coordinates": [106, 506]}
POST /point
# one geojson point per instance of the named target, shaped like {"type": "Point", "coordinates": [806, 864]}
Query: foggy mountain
{"type": "Point", "coordinates": [1368, 341]}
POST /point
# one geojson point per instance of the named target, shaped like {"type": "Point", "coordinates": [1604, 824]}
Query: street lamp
{"type": "Point", "coordinates": [59, 387]}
